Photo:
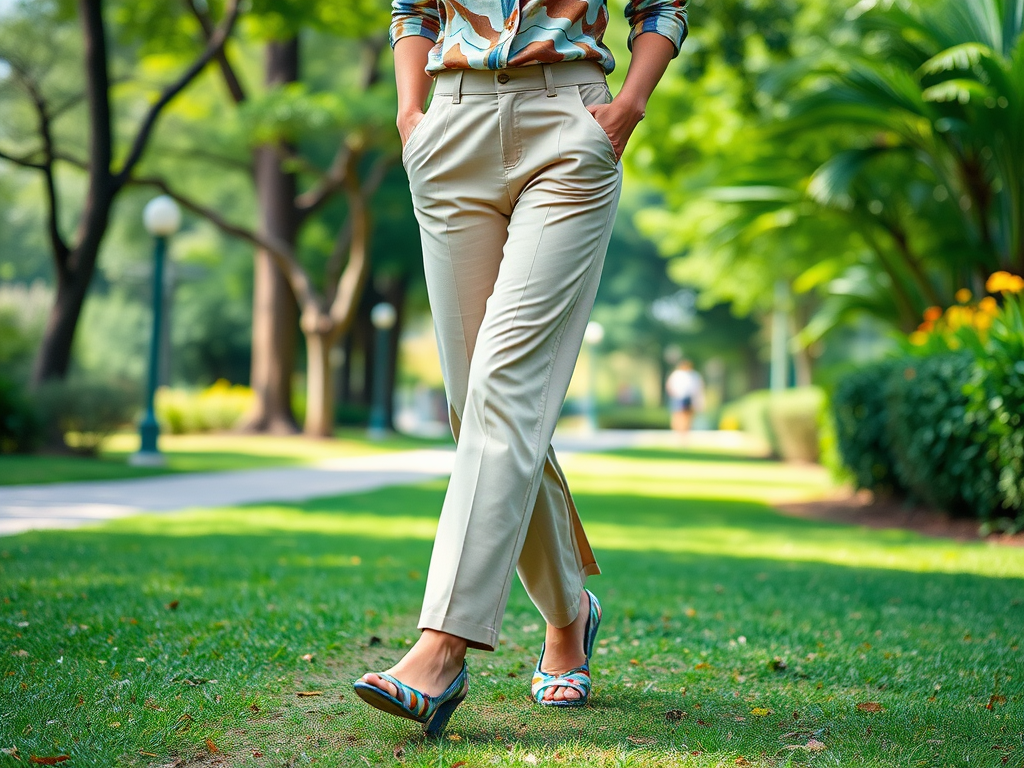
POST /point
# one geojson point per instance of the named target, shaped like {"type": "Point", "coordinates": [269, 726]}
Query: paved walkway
{"type": "Point", "coordinates": [69, 505]}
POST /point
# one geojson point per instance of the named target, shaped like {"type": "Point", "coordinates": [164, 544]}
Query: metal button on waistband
{"type": "Point", "coordinates": [503, 78]}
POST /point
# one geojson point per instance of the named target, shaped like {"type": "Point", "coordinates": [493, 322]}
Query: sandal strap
{"type": "Point", "coordinates": [417, 702]}
{"type": "Point", "coordinates": [578, 679]}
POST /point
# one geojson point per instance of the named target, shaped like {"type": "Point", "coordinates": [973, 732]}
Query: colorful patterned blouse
{"type": "Point", "coordinates": [491, 34]}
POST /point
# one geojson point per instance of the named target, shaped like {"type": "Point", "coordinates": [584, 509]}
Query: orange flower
{"type": "Point", "coordinates": [932, 314]}
{"type": "Point", "coordinates": [1004, 282]}
{"type": "Point", "coordinates": [989, 306]}
{"type": "Point", "coordinates": [963, 295]}
{"type": "Point", "coordinates": [919, 338]}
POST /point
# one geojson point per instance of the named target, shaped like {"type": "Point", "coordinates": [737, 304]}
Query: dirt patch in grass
{"type": "Point", "coordinates": [864, 508]}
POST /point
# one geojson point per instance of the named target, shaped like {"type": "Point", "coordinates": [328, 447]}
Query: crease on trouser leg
{"type": "Point", "coordinates": [557, 556]}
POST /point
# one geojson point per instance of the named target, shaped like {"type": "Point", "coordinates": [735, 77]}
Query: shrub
{"type": "Point", "coordinates": [750, 414]}
{"type": "Point", "coordinates": [19, 423]}
{"type": "Point", "coordinates": [219, 407]}
{"type": "Point", "coordinates": [82, 411]}
{"type": "Point", "coordinates": [996, 403]}
{"type": "Point", "coordinates": [793, 415]}
{"type": "Point", "coordinates": [861, 422]}
{"type": "Point", "coordinates": [940, 454]}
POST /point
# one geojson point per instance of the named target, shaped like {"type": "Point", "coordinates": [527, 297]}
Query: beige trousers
{"type": "Point", "coordinates": [515, 187]}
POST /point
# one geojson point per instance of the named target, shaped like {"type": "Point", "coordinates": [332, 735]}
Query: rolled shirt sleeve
{"type": "Point", "coordinates": [666, 17]}
{"type": "Point", "coordinates": [414, 17]}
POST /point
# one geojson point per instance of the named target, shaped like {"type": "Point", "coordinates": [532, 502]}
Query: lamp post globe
{"type": "Point", "coordinates": [162, 218]}
{"type": "Point", "coordinates": [383, 316]}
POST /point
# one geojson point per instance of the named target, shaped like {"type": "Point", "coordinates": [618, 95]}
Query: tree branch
{"type": "Point", "coordinates": [215, 44]}
{"type": "Point", "coordinates": [60, 248]}
{"type": "Point", "coordinates": [334, 179]}
{"type": "Point", "coordinates": [226, 70]}
{"type": "Point", "coordinates": [341, 243]}
{"type": "Point", "coordinates": [279, 250]}
{"type": "Point", "coordinates": [24, 162]}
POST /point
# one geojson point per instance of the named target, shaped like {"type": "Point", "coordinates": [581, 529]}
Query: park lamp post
{"type": "Point", "coordinates": [593, 335]}
{"type": "Point", "coordinates": [383, 317]}
{"type": "Point", "coordinates": [162, 217]}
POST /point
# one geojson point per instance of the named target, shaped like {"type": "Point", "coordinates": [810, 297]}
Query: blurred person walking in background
{"type": "Point", "coordinates": [515, 176]}
{"type": "Point", "coordinates": [685, 389]}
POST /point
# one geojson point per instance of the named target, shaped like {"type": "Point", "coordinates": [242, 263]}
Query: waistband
{"type": "Point", "coordinates": [455, 82]}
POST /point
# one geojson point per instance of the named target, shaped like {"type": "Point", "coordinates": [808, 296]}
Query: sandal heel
{"type": "Point", "coordinates": [435, 726]}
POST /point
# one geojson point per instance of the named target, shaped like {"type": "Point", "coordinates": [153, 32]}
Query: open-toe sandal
{"type": "Point", "coordinates": [433, 711]}
{"type": "Point", "coordinates": [577, 679]}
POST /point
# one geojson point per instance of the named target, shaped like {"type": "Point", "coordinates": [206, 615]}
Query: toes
{"type": "Point", "coordinates": [570, 694]}
{"type": "Point", "coordinates": [379, 682]}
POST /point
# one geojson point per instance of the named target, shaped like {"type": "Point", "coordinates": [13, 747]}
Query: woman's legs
{"type": "Point", "coordinates": [511, 287]}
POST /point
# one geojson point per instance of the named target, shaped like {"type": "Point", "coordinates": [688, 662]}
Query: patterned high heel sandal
{"type": "Point", "coordinates": [579, 678]}
{"type": "Point", "coordinates": [433, 711]}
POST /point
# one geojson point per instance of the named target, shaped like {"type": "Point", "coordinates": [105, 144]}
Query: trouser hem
{"type": "Point", "coordinates": [476, 635]}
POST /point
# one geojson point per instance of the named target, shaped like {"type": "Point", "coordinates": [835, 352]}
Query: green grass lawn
{"type": "Point", "coordinates": [198, 453]}
{"type": "Point", "coordinates": [733, 635]}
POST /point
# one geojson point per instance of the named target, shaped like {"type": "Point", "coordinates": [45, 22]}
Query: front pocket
{"type": "Point", "coordinates": [596, 93]}
{"type": "Point", "coordinates": [416, 130]}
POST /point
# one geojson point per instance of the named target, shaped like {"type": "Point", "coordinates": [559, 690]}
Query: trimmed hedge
{"type": "Point", "coordinates": [944, 429]}
{"type": "Point", "coordinates": [941, 453]}
{"type": "Point", "coordinates": [862, 436]}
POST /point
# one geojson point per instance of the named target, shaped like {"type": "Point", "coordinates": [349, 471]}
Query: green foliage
{"type": "Point", "coordinates": [19, 422]}
{"type": "Point", "coordinates": [83, 410]}
{"type": "Point", "coordinates": [794, 416]}
{"type": "Point", "coordinates": [941, 454]}
{"type": "Point", "coordinates": [750, 414]}
{"type": "Point", "coordinates": [996, 400]}
{"type": "Point", "coordinates": [215, 409]}
{"type": "Point", "coordinates": [861, 420]}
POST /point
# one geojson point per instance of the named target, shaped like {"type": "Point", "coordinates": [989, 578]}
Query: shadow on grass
{"type": "Point", "coordinates": [156, 634]}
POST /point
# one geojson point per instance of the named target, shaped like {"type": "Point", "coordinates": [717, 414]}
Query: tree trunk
{"type": "Point", "coordinates": [275, 314]}
{"type": "Point", "coordinates": [319, 384]}
{"type": "Point", "coordinates": [54, 356]}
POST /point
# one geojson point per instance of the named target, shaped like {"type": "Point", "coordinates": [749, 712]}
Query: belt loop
{"type": "Point", "coordinates": [549, 80]}
{"type": "Point", "coordinates": [457, 87]}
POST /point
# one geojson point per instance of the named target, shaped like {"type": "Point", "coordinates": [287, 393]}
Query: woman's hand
{"type": "Point", "coordinates": [406, 122]}
{"type": "Point", "coordinates": [618, 118]}
{"type": "Point", "coordinates": [651, 55]}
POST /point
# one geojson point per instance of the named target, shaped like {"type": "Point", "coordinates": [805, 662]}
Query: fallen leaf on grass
{"type": "Point", "coordinates": [309, 693]}
{"type": "Point", "coordinates": [257, 753]}
{"type": "Point", "coordinates": [48, 760]}
{"type": "Point", "coordinates": [641, 740]}
{"type": "Point", "coordinates": [674, 715]}
{"type": "Point", "coordinates": [760, 711]}
{"type": "Point", "coordinates": [211, 746]}
{"type": "Point", "coordinates": [742, 761]}
{"type": "Point", "coordinates": [459, 764]}
{"type": "Point", "coordinates": [11, 752]}
{"type": "Point", "coordinates": [702, 665]}
{"type": "Point", "coordinates": [995, 699]}
{"type": "Point", "coordinates": [148, 754]}
{"type": "Point", "coordinates": [196, 681]}
{"type": "Point", "coordinates": [869, 706]}
{"type": "Point", "coordinates": [173, 605]}
{"type": "Point", "coordinates": [307, 657]}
